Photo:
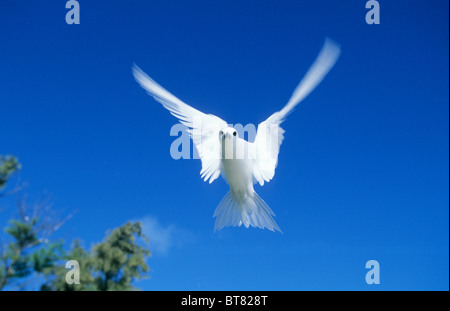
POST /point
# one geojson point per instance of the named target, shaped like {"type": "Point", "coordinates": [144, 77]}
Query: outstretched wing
{"type": "Point", "coordinates": [203, 128]}
{"type": "Point", "coordinates": [269, 135]}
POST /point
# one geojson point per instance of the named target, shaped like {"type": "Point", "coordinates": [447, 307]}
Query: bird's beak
{"type": "Point", "coordinates": [225, 136]}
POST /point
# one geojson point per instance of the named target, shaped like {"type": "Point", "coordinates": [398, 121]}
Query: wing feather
{"type": "Point", "coordinates": [203, 128]}
{"type": "Point", "coordinates": [269, 135]}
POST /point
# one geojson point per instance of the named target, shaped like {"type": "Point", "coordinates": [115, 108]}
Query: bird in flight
{"type": "Point", "coordinates": [241, 163]}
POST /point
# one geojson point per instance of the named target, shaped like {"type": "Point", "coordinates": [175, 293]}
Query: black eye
{"type": "Point", "coordinates": [234, 133]}
{"type": "Point", "coordinates": [220, 133]}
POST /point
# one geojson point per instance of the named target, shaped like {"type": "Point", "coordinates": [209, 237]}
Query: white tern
{"type": "Point", "coordinates": [241, 163]}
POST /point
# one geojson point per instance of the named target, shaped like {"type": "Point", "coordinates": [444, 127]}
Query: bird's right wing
{"type": "Point", "coordinates": [269, 135]}
{"type": "Point", "coordinates": [203, 128]}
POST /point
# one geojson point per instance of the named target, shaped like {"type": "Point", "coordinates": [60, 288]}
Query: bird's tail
{"type": "Point", "coordinates": [250, 211]}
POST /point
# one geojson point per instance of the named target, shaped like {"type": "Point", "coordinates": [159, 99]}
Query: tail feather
{"type": "Point", "coordinates": [250, 211]}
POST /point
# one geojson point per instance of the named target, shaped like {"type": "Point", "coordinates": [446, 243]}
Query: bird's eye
{"type": "Point", "coordinates": [220, 133]}
{"type": "Point", "coordinates": [234, 133]}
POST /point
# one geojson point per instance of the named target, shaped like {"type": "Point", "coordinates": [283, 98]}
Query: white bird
{"type": "Point", "coordinates": [240, 162]}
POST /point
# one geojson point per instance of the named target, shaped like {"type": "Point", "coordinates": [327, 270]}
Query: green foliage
{"type": "Point", "coordinates": [8, 165]}
{"type": "Point", "coordinates": [111, 265]}
{"type": "Point", "coordinates": [27, 253]}
{"type": "Point", "coordinates": [119, 260]}
{"type": "Point", "coordinates": [56, 277]}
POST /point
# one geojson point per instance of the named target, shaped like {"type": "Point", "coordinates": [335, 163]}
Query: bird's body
{"type": "Point", "coordinates": [241, 163]}
{"type": "Point", "coordinates": [238, 169]}
{"type": "Point", "coordinates": [238, 174]}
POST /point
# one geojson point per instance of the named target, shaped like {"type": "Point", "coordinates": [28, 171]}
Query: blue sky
{"type": "Point", "coordinates": [362, 173]}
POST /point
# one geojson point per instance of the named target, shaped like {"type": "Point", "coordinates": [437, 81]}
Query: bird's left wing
{"type": "Point", "coordinates": [203, 128]}
{"type": "Point", "coordinates": [269, 135]}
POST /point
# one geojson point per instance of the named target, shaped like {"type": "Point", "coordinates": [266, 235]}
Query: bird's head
{"type": "Point", "coordinates": [227, 137]}
{"type": "Point", "coordinates": [227, 133]}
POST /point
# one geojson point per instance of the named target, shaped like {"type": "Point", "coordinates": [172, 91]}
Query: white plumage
{"type": "Point", "coordinates": [242, 163]}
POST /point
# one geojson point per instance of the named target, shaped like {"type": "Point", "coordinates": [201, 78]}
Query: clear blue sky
{"type": "Point", "coordinates": [363, 172]}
